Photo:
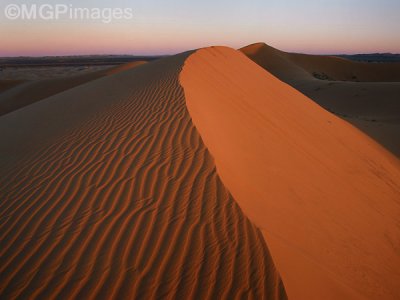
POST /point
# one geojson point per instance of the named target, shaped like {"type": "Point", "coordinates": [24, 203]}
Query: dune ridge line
{"type": "Point", "coordinates": [326, 196]}
{"type": "Point", "coordinates": [107, 191]}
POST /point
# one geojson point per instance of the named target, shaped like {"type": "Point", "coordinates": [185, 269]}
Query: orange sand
{"type": "Point", "coordinates": [364, 94]}
{"type": "Point", "coordinates": [107, 191]}
{"type": "Point", "coordinates": [326, 197]}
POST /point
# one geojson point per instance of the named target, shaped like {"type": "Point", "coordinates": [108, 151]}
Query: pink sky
{"type": "Point", "coordinates": [314, 28]}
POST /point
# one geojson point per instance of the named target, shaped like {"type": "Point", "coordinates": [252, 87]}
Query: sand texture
{"type": "Point", "coordinates": [365, 94]}
{"type": "Point", "coordinates": [326, 196]}
{"type": "Point", "coordinates": [28, 92]}
{"type": "Point", "coordinates": [108, 192]}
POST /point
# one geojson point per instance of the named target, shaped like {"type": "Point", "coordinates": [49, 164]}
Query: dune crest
{"type": "Point", "coordinates": [107, 191]}
{"type": "Point", "coordinates": [302, 66]}
{"type": "Point", "coordinates": [364, 94]}
{"type": "Point", "coordinates": [326, 196]}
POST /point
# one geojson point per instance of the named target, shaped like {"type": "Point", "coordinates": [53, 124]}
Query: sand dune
{"type": "Point", "coordinates": [8, 84]}
{"type": "Point", "coordinates": [33, 91]}
{"type": "Point", "coordinates": [107, 191]}
{"type": "Point", "coordinates": [371, 104]}
{"type": "Point", "coordinates": [299, 66]}
{"type": "Point", "coordinates": [326, 196]}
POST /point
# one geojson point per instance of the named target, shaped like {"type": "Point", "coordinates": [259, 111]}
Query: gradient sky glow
{"type": "Point", "coordinates": [167, 27]}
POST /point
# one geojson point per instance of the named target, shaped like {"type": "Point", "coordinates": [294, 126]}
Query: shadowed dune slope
{"type": "Point", "coordinates": [36, 90]}
{"type": "Point", "coordinates": [283, 64]}
{"type": "Point", "coordinates": [372, 105]}
{"type": "Point", "coordinates": [325, 195]}
{"type": "Point", "coordinates": [8, 84]}
{"type": "Point", "coordinates": [108, 192]}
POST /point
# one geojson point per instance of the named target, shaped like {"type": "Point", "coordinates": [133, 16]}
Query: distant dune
{"type": "Point", "coordinates": [107, 191]}
{"type": "Point", "coordinates": [283, 64]}
{"type": "Point", "coordinates": [326, 196]}
{"type": "Point", "coordinates": [32, 91]}
{"type": "Point", "coordinates": [365, 94]}
{"type": "Point", "coordinates": [7, 84]}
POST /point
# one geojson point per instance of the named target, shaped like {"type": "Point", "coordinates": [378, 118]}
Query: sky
{"type": "Point", "coordinates": [172, 26]}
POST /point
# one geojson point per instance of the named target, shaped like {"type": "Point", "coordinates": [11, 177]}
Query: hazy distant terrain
{"type": "Point", "coordinates": [80, 60]}
{"type": "Point", "coordinates": [373, 57]}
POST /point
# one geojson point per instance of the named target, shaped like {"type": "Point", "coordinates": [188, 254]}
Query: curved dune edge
{"type": "Point", "coordinates": [28, 92]}
{"type": "Point", "coordinates": [107, 191]}
{"type": "Point", "coordinates": [297, 66]}
{"type": "Point", "coordinates": [370, 104]}
{"type": "Point", "coordinates": [325, 195]}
